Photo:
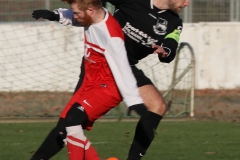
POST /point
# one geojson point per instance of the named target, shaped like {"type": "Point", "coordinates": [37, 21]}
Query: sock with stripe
{"type": "Point", "coordinates": [79, 148]}
{"type": "Point", "coordinates": [75, 142]}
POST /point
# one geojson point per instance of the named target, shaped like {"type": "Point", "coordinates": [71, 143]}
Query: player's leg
{"type": "Point", "coordinates": [148, 123]}
{"type": "Point", "coordinates": [75, 116]}
{"type": "Point", "coordinates": [94, 103]}
{"type": "Point", "coordinates": [90, 152]}
{"type": "Point", "coordinates": [153, 99]}
{"type": "Point", "coordinates": [52, 144]}
{"type": "Point", "coordinates": [98, 101]}
{"type": "Point", "coordinates": [78, 145]}
{"type": "Point", "coordinates": [75, 142]}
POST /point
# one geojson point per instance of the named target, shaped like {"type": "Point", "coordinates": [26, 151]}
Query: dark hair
{"type": "Point", "coordinates": [69, 1]}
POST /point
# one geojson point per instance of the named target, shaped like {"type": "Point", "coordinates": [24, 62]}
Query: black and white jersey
{"type": "Point", "coordinates": [143, 25]}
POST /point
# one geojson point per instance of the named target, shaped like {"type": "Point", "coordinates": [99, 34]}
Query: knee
{"type": "Point", "coordinates": [163, 107]}
{"type": "Point", "coordinates": [158, 107]}
{"type": "Point", "coordinates": [75, 116]}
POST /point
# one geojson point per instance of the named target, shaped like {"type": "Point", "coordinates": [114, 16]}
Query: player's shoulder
{"type": "Point", "coordinates": [113, 27]}
{"type": "Point", "coordinates": [173, 17]}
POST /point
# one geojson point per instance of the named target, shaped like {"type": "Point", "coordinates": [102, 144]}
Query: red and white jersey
{"type": "Point", "coordinates": [105, 53]}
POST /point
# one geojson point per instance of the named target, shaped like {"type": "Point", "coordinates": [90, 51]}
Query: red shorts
{"type": "Point", "coordinates": [96, 99]}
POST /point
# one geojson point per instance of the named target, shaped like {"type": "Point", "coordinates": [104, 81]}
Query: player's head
{"type": "Point", "coordinates": [177, 5]}
{"type": "Point", "coordinates": [84, 10]}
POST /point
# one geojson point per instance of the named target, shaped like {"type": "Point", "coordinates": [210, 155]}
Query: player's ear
{"type": "Point", "coordinates": [90, 11]}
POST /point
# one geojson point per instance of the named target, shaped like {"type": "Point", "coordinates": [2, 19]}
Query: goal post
{"type": "Point", "coordinates": [184, 50]}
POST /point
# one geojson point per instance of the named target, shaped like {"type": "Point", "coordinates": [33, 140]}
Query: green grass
{"type": "Point", "coordinates": [174, 141]}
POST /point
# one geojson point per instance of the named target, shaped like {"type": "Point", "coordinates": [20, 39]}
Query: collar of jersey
{"type": "Point", "coordinates": [105, 18]}
{"type": "Point", "coordinates": [152, 7]}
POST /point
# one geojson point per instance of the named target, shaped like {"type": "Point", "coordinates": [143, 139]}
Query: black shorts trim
{"type": "Point", "coordinates": [141, 78]}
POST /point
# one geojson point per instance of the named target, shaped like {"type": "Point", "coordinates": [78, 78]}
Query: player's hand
{"type": "Point", "coordinates": [160, 51]}
{"type": "Point", "coordinates": [45, 14]}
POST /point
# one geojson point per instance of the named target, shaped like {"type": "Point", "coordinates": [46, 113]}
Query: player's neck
{"type": "Point", "coordinates": [98, 15]}
{"type": "Point", "coordinates": [161, 4]}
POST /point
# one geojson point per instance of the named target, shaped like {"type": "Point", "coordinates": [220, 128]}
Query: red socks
{"type": "Point", "coordinates": [90, 152]}
{"type": "Point", "coordinates": [79, 148]}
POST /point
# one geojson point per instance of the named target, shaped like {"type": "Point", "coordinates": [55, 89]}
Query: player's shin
{"type": "Point", "coordinates": [79, 148]}
{"type": "Point", "coordinates": [90, 152]}
{"type": "Point", "coordinates": [144, 135]}
{"type": "Point", "coordinates": [50, 146]}
{"type": "Point", "coordinates": [75, 142]}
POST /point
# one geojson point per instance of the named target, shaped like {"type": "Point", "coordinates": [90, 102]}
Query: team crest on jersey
{"type": "Point", "coordinates": [161, 26]}
{"type": "Point", "coordinates": [87, 54]}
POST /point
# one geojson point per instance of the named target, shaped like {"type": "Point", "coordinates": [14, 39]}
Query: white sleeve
{"type": "Point", "coordinates": [116, 56]}
{"type": "Point", "coordinates": [66, 17]}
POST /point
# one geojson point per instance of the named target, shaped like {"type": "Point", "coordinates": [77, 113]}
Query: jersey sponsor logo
{"type": "Point", "coordinates": [161, 26]}
{"type": "Point", "coordinates": [138, 35]}
{"type": "Point", "coordinates": [149, 42]}
{"type": "Point", "coordinates": [85, 101]}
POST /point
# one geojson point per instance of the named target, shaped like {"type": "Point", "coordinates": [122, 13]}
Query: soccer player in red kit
{"type": "Point", "coordinates": [107, 78]}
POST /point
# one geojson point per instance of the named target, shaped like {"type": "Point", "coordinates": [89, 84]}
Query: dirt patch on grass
{"type": "Point", "coordinates": [32, 104]}
{"type": "Point", "coordinates": [217, 104]}
{"type": "Point", "coordinates": [223, 105]}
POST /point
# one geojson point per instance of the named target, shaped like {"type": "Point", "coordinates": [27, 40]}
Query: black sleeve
{"type": "Point", "coordinates": [169, 46]}
{"type": "Point", "coordinates": [170, 43]}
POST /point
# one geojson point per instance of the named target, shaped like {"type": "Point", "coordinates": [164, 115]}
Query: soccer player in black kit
{"type": "Point", "coordinates": [150, 26]}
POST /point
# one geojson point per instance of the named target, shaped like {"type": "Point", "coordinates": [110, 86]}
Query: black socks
{"type": "Point", "coordinates": [140, 109]}
{"type": "Point", "coordinates": [51, 145]}
{"type": "Point", "coordinates": [144, 135]}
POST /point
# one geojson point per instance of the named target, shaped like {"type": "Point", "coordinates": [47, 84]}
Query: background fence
{"type": "Point", "coordinates": [197, 11]}
{"type": "Point", "coordinates": [211, 11]}
{"type": "Point", "coordinates": [44, 57]}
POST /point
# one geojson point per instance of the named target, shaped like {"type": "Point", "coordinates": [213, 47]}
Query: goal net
{"type": "Point", "coordinates": [40, 64]}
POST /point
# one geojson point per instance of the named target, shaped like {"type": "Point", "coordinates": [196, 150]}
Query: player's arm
{"type": "Point", "coordinates": [170, 44]}
{"type": "Point", "coordinates": [45, 14]}
{"type": "Point", "coordinates": [116, 57]}
{"type": "Point", "coordinates": [64, 16]}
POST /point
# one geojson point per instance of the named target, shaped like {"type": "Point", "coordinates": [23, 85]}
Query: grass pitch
{"type": "Point", "coordinates": [205, 140]}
